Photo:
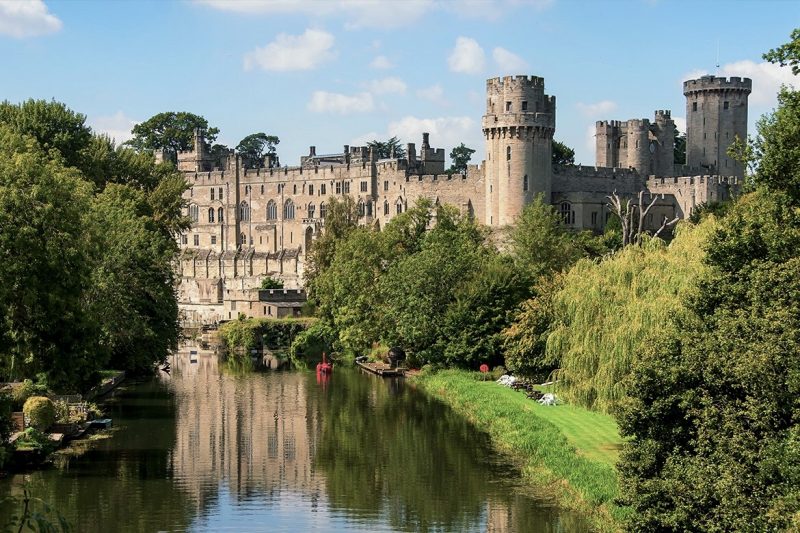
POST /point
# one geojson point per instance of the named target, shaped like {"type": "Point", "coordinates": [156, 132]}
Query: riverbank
{"type": "Point", "coordinates": [569, 451]}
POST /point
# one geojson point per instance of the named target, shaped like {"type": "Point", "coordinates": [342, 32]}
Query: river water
{"type": "Point", "coordinates": [207, 449]}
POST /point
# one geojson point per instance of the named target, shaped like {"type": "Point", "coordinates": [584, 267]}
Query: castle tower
{"type": "Point", "coordinates": [716, 113]}
{"type": "Point", "coordinates": [518, 127]}
{"type": "Point", "coordinates": [664, 148]}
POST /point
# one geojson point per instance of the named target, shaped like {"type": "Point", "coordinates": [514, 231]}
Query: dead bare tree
{"type": "Point", "coordinates": [626, 210]}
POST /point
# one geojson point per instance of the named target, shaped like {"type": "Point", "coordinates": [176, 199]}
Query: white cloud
{"type": "Point", "coordinates": [387, 86]}
{"type": "Point", "coordinates": [381, 62]}
{"type": "Point", "coordinates": [292, 52]}
{"type": "Point", "coordinates": [325, 102]}
{"type": "Point", "coordinates": [434, 93]}
{"type": "Point", "coordinates": [767, 79]}
{"type": "Point", "coordinates": [359, 13]}
{"type": "Point", "coordinates": [597, 109]}
{"type": "Point", "coordinates": [27, 19]}
{"type": "Point", "coordinates": [467, 56]}
{"type": "Point", "coordinates": [117, 126]}
{"type": "Point", "coordinates": [509, 62]}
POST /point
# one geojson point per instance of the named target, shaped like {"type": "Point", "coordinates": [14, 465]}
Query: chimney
{"type": "Point", "coordinates": [312, 151]}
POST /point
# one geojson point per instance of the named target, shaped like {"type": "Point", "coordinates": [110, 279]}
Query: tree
{"type": "Point", "coordinates": [254, 147]}
{"type": "Point", "coordinates": [787, 54]}
{"type": "Point", "coordinates": [563, 155]}
{"type": "Point", "coordinates": [633, 224]}
{"type": "Point", "coordinates": [460, 155]}
{"type": "Point", "coordinates": [340, 220]}
{"type": "Point", "coordinates": [387, 149]}
{"type": "Point", "coordinates": [679, 150]}
{"type": "Point", "coordinates": [271, 283]}
{"type": "Point", "coordinates": [172, 131]}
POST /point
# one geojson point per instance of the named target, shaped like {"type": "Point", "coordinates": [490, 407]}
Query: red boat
{"type": "Point", "coordinates": [324, 367]}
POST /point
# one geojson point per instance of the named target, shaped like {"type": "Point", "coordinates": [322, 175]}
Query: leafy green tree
{"type": "Point", "coordinates": [385, 149]}
{"type": "Point", "coordinates": [679, 149]}
{"type": "Point", "coordinates": [340, 220]}
{"type": "Point", "coordinates": [776, 147]}
{"type": "Point", "coordinates": [787, 54]}
{"type": "Point", "coordinates": [271, 283]}
{"type": "Point", "coordinates": [218, 154]}
{"type": "Point", "coordinates": [173, 131]}
{"type": "Point", "coordinates": [460, 155]}
{"type": "Point", "coordinates": [44, 324]}
{"type": "Point", "coordinates": [255, 146]}
{"type": "Point", "coordinates": [563, 155]}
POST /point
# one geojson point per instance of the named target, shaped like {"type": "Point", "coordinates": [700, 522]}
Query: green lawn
{"type": "Point", "coordinates": [555, 444]}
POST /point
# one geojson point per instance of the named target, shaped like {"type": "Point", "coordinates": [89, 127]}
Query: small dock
{"type": "Point", "coordinates": [382, 369]}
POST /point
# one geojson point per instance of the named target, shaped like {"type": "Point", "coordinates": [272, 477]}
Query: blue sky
{"type": "Point", "coordinates": [335, 72]}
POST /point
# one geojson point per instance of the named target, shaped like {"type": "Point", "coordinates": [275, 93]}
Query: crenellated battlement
{"type": "Point", "coordinates": [714, 83]}
{"type": "Point", "coordinates": [663, 114]}
{"type": "Point", "coordinates": [514, 82]}
{"type": "Point", "coordinates": [654, 182]}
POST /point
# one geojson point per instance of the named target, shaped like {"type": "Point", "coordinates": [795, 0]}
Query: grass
{"type": "Point", "coordinates": [569, 450]}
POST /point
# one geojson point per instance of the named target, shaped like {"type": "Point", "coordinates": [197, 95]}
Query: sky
{"type": "Point", "coordinates": [334, 72]}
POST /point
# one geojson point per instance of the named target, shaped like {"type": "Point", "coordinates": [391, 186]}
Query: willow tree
{"type": "Point", "coordinates": [606, 311]}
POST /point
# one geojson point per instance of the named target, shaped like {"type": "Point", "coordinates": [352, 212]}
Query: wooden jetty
{"type": "Point", "coordinates": [382, 369]}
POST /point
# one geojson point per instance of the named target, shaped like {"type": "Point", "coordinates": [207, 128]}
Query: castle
{"type": "Point", "coordinates": [251, 223]}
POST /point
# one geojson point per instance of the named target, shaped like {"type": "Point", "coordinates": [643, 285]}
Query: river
{"type": "Point", "coordinates": [207, 449]}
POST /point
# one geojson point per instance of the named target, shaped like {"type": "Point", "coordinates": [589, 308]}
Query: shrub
{"type": "Point", "coordinates": [41, 412]}
{"type": "Point", "coordinates": [20, 394]}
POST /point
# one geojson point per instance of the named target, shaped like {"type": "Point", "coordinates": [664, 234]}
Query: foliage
{"type": "Point", "coordinates": [713, 415]}
{"type": "Point", "coordinates": [309, 344]}
{"type": "Point", "coordinates": [172, 131]}
{"type": "Point", "coordinates": [271, 283]}
{"type": "Point", "coordinates": [34, 439]}
{"type": "Point", "coordinates": [787, 54]}
{"type": "Point", "coordinates": [679, 149]}
{"type": "Point", "coordinates": [540, 243]}
{"type": "Point", "coordinates": [777, 148]}
{"type": "Point", "coordinates": [218, 153]}
{"type": "Point", "coordinates": [703, 210]}
{"type": "Point", "coordinates": [563, 155]}
{"type": "Point", "coordinates": [341, 219]}
{"type": "Point", "coordinates": [245, 334]}
{"type": "Point", "coordinates": [387, 149]}
{"type": "Point", "coordinates": [460, 155]}
{"type": "Point", "coordinates": [41, 412]}
{"type": "Point", "coordinates": [27, 389]}
{"type": "Point", "coordinates": [607, 311]}
{"type": "Point", "coordinates": [255, 146]}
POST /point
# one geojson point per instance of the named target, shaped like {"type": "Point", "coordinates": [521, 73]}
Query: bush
{"type": "Point", "coordinates": [41, 412]}
{"type": "Point", "coordinates": [20, 394]}
{"type": "Point", "coordinates": [33, 439]}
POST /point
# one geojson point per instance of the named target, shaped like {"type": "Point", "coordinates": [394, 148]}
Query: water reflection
{"type": "Point", "coordinates": [207, 450]}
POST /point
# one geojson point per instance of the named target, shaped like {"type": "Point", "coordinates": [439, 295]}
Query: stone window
{"type": "Point", "coordinates": [369, 208]}
{"type": "Point", "coordinates": [525, 183]}
{"type": "Point", "coordinates": [323, 210]}
{"type": "Point", "coordinates": [262, 188]}
{"type": "Point", "coordinates": [242, 239]}
{"type": "Point", "coordinates": [694, 106]}
{"type": "Point", "coordinates": [197, 240]}
{"type": "Point", "coordinates": [220, 194]}
{"type": "Point", "coordinates": [346, 187]}
{"type": "Point", "coordinates": [220, 215]}
{"type": "Point", "coordinates": [363, 186]}
{"type": "Point", "coordinates": [386, 207]}
{"type": "Point", "coordinates": [724, 105]}
{"type": "Point", "coordinates": [311, 209]}
{"type": "Point", "coordinates": [386, 185]}
{"type": "Point", "coordinates": [212, 194]}
{"type": "Point", "coordinates": [323, 189]}
{"type": "Point", "coordinates": [294, 189]}
{"type": "Point", "coordinates": [338, 187]}
{"type": "Point", "coordinates": [211, 214]}
{"type": "Point", "coordinates": [360, 208]}
{"type": "Point", "coordinates": [288, 210]}
{"type": "Point", "coordinates": [213, 239]}
{"type": "Point", "coordinates": [184, 239]}
{"type": "Point", "coordinates": [594, 218]}
{"type": "Point", "coordinates": [244, 212]}
{"type": "Point", "coordinates": [191, 192]}
{"type": "Point", "coordinates": [508, 153]}
{"type": "Point", "coordinates": [508, 107]}
{"type": "Point", "coordinates": [524, 106]}
{"type": "Point", "coordinates": [311, 188]}
{"type": "Point", "coordinates": [272, 210]}
{"type": "Point", "coordinates": [399, 207]}
{"type": "Point", "coordinates": [194, 213]}
{"type": "Point", "coordinates": [567, 213]}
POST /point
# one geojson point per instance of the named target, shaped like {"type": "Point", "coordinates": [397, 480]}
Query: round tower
{"type": "Point", "coordinates": [716, 114]}
{"type": "Point", "coordinates": [638, 133]}
{"type": "Point", "coordinates": [518, 127]}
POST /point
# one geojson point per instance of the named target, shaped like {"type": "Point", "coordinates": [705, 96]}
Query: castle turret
{"type": "Point", "coordinates": [518, 127]}
{"type": "Point", "coordinates": [716, 114]}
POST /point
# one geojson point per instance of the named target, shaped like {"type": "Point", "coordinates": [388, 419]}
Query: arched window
{"type": "Point", "coordinates": [244, 212]}
{"type": "Point", "coordinates": [220, 215]}
{"type": "Point", "coordinates": [508, 153]}
{"type": "Point", "coordinates": [386, 207]}
{"type": "Point", "coordinates": [211, 214]}
{"type": "Point", "coordinates": [272, 210]}
{"type": "Point", "coordinates": [311, 209]}
{"type": "Point", "coordinates": [288, 210]}
{"type": "Point", "coordinates": [294, 189]}
{"type": "Point", "coordinates": [323, 210]}
{"type": "Point", "coordinates": [360, 208]}
{"type": "Point", "coordinates": [243, 239]}
{"type": "Point", "coordinates": [369, 208]}
{"type": "Point", "coordinates": [399, 206]}
{"type": "Point", "coordinates": [567, 213]}
{"type": "Point", "coordinates": [194, 213]}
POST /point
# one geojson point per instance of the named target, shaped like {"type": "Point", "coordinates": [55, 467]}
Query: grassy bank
{"type": "Point", "coordinates": [567, 450]}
